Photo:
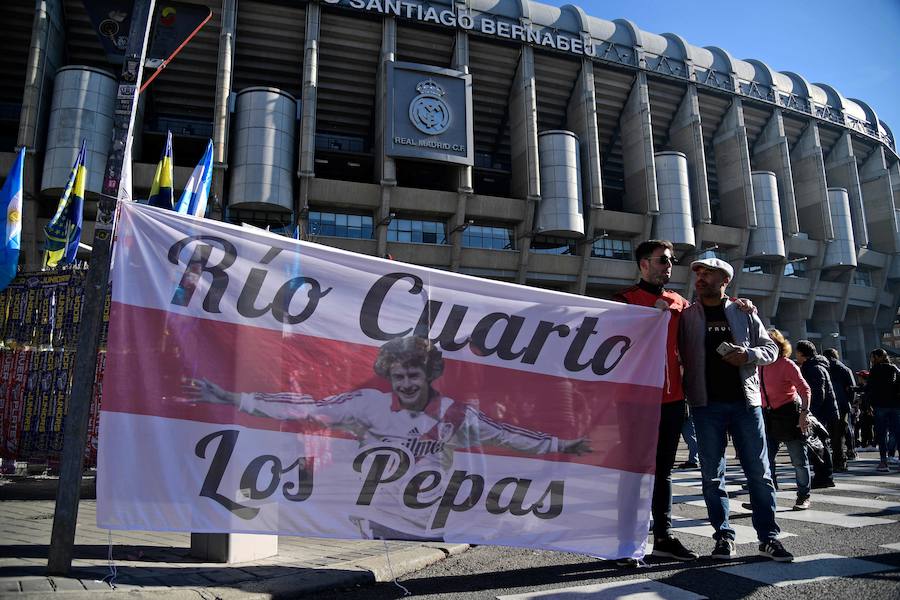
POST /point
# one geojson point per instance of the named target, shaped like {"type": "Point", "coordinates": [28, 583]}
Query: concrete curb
{"type": "Point", "coordinates": [360, 572]}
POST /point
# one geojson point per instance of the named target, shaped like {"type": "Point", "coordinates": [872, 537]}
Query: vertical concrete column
{"type": "Point", "coordinates": [877, 184]}
{"type": "Point", "coordinates": [581, 118]}
{"type": "Point", "coordinates": [841, 171]}
{"type": "Point", "coordinates": [526, 179]}
{"type": "Point", "coordinates": [464, 187]}
{"type": "Point", "coordinates": [222, 108]}
{"type": "Point", "coordinates": [815, 275]}
{"type": "Point", "coordinates": [45, 56]}
{"type": "Point", "coordinates": [309, 102]}
{"type": "Point", "coordinates": [686, 135]}
{"type": "Point", "coordinates": [733, 169]}
{"type": "Point", "coordinates": [811, 185]}
{"type": "Point", "coordinates": [773, 153]}
{"type": "Point", "coordinates": [385, 168]}
{"type": "Point", "coordinates": [637, 150]}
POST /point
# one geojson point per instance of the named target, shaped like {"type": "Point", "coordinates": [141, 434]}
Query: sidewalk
{"type": "Point", "coordinates": [150, 564]}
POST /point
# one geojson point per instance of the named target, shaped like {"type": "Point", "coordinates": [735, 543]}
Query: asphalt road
{"type": "Point", "coordinates": [491, 571]}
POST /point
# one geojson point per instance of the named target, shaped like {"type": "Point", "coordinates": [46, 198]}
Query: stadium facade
{"type": "Point", "coordinates": [499, 138]}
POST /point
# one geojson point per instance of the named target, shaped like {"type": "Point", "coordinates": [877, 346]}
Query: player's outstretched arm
{"type": "Point", "coordinates": [203, 390]}
{"type": "Point", "coordinates": [577, 446]}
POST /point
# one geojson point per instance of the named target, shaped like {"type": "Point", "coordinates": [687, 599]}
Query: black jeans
{"type": "Point", "coordinates": [671, 419]}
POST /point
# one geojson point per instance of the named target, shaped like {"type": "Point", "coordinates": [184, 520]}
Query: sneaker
{"type": "Point", "coordinates": [724, 549]}
{"type": "Point", "coordinates": [774, 550]}
{"type": "Point", "coordinates": [627, 563]}
{"type": "Point", "coordinates": [883, 468]}
{"type": "Point", "coordinates": [747, 505]}
{"type": "Point", "coordinates": [671, 547]}
{"type": "Point", "coordinates": [802, 503]}
{"type": "Point", "coordinates": [689, 464]}
{"type": "Point", "coordinates": [818, 485]}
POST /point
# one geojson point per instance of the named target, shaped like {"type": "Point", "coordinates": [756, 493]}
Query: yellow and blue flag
{"type": "Point", "coordinates": [196, 192]}
{"type": "Point", "coordinates": [11, 224]}
{"type": "Point", "coordinates": [161, 193]}
{"type": "Point", "coordinates": [63, 232]}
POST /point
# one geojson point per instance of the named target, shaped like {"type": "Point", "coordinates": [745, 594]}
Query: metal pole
{"type": "Point", "coordinates": [68, 495]}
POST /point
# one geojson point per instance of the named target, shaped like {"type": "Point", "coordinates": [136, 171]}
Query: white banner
{"type": "Point", "coordinates": [262, 385]}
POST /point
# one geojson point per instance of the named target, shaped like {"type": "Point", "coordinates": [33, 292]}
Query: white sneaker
{"type": "Point", "coordinates": [802, 504]}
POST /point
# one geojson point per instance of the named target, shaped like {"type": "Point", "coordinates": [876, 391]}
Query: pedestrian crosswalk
{"type": "Point", "coordinates": [860, 499]}
{"type": "Point", "coordinates": [833, 506]}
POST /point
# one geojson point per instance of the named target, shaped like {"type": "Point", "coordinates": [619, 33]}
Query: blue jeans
{"type": "Point", "coordinates": [745, 424]}
{"type": "Point", "coordinates": [690, 438]}
{"type": "Point", "coordinates": [797, 451]}
{"type": "Point", "coordinates": [886, 419]}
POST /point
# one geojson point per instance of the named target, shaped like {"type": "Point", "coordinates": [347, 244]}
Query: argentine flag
{"type": "Point", "coordinates": [11, 213]}
{"type": "Point", "coordinates": [196, 191]}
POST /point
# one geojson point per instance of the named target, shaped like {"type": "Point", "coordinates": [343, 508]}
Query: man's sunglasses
{"type": "Point", "coordinates": [663, 260]}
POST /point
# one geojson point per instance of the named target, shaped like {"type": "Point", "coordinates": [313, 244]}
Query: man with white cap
{"type": "Point", "coordinates": [720, 349]}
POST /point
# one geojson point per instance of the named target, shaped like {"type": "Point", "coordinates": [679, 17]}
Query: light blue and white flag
{"type": "Point", "coordinates": [196, 191]}
{"type": "Point", "coordinates": [11, 225]}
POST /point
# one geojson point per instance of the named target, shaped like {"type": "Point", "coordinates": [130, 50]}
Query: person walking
{"type": "Point", "coordinates": [814, 368]}
{"type": "Point", "coordinates": [786, 398]}
{"type": "Point", "coordinates": [721, 348]}
{"type": "Point", "coordinates": [843, 383]}
{"type": "Point", "coordinates": [881, 394]}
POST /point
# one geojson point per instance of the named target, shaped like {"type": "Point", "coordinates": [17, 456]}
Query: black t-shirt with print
{"type": "Point", "coordinates": [723, 381]}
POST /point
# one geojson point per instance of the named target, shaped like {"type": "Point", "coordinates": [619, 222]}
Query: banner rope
{"type": "Point", "coordinates": [387, 555]}
{"type": "Point", "coordinates": [113, 571]}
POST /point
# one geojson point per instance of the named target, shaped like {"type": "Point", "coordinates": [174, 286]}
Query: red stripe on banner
{"type": "Point", "coordinates": [152, 353]}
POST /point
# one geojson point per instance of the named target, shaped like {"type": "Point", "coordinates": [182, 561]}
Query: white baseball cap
{"type": "Point", "coordinates": [714, 263]}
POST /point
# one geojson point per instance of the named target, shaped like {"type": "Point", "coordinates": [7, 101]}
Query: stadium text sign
{"type": "Point", "coordinates": [258, 384]}
{"type": "Point", "coordinates": [471, 21]}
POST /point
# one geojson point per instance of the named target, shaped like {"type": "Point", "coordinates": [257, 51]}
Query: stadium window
{"type": "Point", "coordinates": [612, 248]}
{"type": "Point", "coordinates": [862, 278]}
{"type": "Point", "coordinates": [417, 231]}
{"type": "Point", "coordinates": [493, 237]}
{"type": "Point", "coordinates": [795, 269]}
{"type": "Point", "coordinates": [545, 244]}
{"type": "Point", "coordinates": [339, 224]}
{"type": "Point", "coordinates": [756, 267]}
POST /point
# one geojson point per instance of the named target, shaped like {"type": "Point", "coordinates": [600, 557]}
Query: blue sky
{"type": "Point", "coordinates": [852, 46]}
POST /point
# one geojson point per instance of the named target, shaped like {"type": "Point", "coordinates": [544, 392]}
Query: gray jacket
{"type": "Point", "coordinates": [748, 331]}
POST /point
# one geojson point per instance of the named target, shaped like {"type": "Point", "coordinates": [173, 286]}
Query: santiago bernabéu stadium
{"type": "Point", "coordinates": [505, 139]}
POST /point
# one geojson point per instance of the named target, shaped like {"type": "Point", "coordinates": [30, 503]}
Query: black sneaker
{"type": "Point", "coordinates": [819, 485]}
{"type": "Point", "coordinates": [671, 547]}
{"type": "Point", "coordinates": [689, 464]}
{"type": "Point", "coordinates": [724, 549]}
{"type": "Point", "coordinates": [627, 563]}
{"type": "Point", "coordinates": [774, 550]}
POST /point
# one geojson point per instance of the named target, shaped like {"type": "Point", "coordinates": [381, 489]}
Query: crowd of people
{"type": "Point", "coordinates": [727, 375]}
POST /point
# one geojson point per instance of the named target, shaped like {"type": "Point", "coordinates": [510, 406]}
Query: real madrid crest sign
{"type": "Point", "coordinates": [427, 111]}
{"type": "Point", "coordinates": [429, 114]}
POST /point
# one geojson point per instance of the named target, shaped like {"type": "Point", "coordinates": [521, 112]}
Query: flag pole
{"type": "Point", "coordinates": [62, 540]}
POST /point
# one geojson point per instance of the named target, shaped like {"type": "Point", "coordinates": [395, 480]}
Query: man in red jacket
{"type": "Point", "coordinates": [655, 259]}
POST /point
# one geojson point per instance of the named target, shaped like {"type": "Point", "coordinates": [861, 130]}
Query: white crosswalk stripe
{"type": "Point", "coordinates": [806, 569]}
{"type": "Point", "coordinates": [874, 505]}
{"type": "Point", "coordinates": [633, 589]}
{"type": "Point", "coordinates": [743, 534]}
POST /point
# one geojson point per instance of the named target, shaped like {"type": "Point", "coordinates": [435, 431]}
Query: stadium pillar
{"type": "Point", "coordinates": [44, 57]}
{"type": "Point", "coordinates": [68, 495]}
{"type": "Point", "coordinates": [733, 169]}
{"type": "Point", "coordinates": [686, 135]}
{"type": "Point", "coordinates": [309, 101]}
{"type": "Point", "coordinates": [811, 185]}
{"type": "Point", "coordinates": [222, 109]}
{"type": "Point", "coordinates": [841, 171]}
{"type": "Point", "coordinates": [464, 187]}
{"type": "Point", "coordinates": [526, 178]}
{"type": "Point", "coordinates": [385, 168]}
{"type": "Point", "coordinates": [877, 182]}
{"type": "Point", "coordinates": [772, 153]}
